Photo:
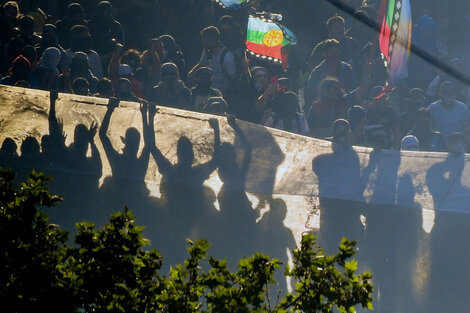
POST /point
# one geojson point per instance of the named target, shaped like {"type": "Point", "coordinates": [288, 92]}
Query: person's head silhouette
{"type": "Point", "coordinates": [80, 139]}
{"type": "Point", "coordinates": [131, 141]}
{"type": "Point", "coordinates": [185, 152]}
{"type": "Point", "coordinates": [30, 147]}
{"type": "Point", "coordinates": [9, 147]}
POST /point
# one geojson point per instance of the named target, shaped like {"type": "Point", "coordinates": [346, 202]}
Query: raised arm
{"type": "Point", "coordinates": [163, 164]}
{"type": "Point", "coordinates": [207, 168]}
{"type": "Point", "coordinates": [111, 153]}
{"type": "Point", "coordinates": [56, 129]}
{"type": "Point", "coordinates": [145, 155]}
{"type": "Point", "coordinates": [95, 154]}
{"type": "Point", "coordinates": [245, 143]}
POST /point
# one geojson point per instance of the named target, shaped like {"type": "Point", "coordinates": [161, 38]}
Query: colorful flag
{"type": "Point", "coordinates": [269, 40]}
{"type": "Point", "coordinates": [230, 4]}
{"type": "Point", "coordinates": [395, 37]}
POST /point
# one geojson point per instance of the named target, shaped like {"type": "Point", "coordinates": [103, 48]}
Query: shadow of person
{"type": "Point", "coordinates": [53, 148]}
{"type": "Point", "coordinates": [274, 238]}
{"type": "Point", "coordinates": [78, 181]}
{"type": "Point", "coordinates": [189, 206]}
{"type": "Point", "coordinates": [450, 245]}
{"type": "Point", "coordinates": [237, 235]}
{"type": "Point", "coordinates": [53, 145]}
{"type": "Point", "coordinates": [9, 157]}
{"type": "Point", "coordinates": [341, 187]}
{"type": "Point", "coordinates": [382, 223]}
{"type": "Point", "coordinates": [126, 186]}
{"type": "Point", "coordinates": [265, 160]}
{"type": "Point", "coordinates": [410, 239]}
{"type": "Point", "coordinates": [30, 158]}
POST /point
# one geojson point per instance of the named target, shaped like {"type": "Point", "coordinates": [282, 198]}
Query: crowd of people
{"type": "Point", "coordinates": [332, 88]}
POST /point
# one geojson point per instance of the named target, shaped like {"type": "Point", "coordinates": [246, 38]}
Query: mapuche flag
{"type": "Point", "coordinates": [230, 4]}
{"type": "Point", "coordinates": [269, 40]}
{"type": "Point", "coordinates": [395, 37]}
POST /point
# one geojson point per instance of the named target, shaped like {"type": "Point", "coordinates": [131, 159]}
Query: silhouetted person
{"type": "Point", "coordinates": [340, 184]}
{"type": "Point", "coordinates": [126, 186]}
{"type": "Point", "coordinates": [237, 215]}
{"type": "Point", "coordinates": [449, 238]}
{"type": "Point", "coordinates": [104, 29]}
{"type": "Point", "coordinates": [53, 145]}
{"type": "Point", "coordinates": [189, 204]}
{"type": "Point", "coordinates": [80, 178]}
{"type": "Point", "coordinates": [75, 16]}
{"type": "Point", "coordinates": [8, 154]}
{"type": "Point", "coordinates": [30, 158]}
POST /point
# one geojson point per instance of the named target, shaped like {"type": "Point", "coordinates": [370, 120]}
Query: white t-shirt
{"type": "Point", "coordinates": [449, 120]}
{"type": "Point", "coordinates": [220, 79]}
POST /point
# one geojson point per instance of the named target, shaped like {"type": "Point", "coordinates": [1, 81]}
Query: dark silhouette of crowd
{"type": "Point", "coordinates": [190, 54]}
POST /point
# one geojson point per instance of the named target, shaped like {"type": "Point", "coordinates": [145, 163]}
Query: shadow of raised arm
{"type": "Point", "coordinates": [111, 153]}
{"type": "Point", "coordinates": [163, 164]}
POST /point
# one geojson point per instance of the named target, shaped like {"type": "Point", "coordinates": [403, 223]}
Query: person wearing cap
{"type": "Point", "coordinates": [78, 68]}
{"type": "Point", "coordinates": [216, 105]}
{"type": "Point", "coordinates": [124, 90]}
{"type": "Point", "coordinates": [202, 91]}
{"type": "Point", "coordinates": [341, 134]}
{"type": "Point", "coordinates": [410, 143]}
{"type": "Point", "coordinates": [171, 91]}
{"type": "Point", "coordinates": [449, 115]}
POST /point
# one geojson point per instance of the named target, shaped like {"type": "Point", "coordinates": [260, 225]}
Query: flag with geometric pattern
{"type": "Point", "coordinates": [269, 40]}
{"type": "Point", "coordinates": [395, 37]}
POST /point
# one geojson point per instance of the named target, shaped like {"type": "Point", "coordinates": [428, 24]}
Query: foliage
{"type": "Point", "coordinates": [321, 285]}
{"type": "Point", "coordinates": [32, 251]}
{"type": "Point", "coordinates": [110, 270]}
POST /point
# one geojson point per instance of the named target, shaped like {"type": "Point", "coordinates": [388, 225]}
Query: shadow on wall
{"type": "Point", "coordinates": [387, 235]}
{"type": "Point", "coordinates": [449, 244]}
{"type": "Point", "coordinates": [185, 207]}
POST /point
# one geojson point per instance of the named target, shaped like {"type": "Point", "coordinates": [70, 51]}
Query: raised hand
{"type": "Point", "coordinates": [54, 94]}
{"type": "Point", "coordinates": [232, 121]}
{"type": "Point", "coordinates": [214, 123]}
{"type": "Point", "coordinates": [144, 107]}
{"type": "Point", "coordinates": [113, 103]}
{"type": "Point", "coordinates": [60, 130]}
{"type": "Point", "coordinates": [92, 131]}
